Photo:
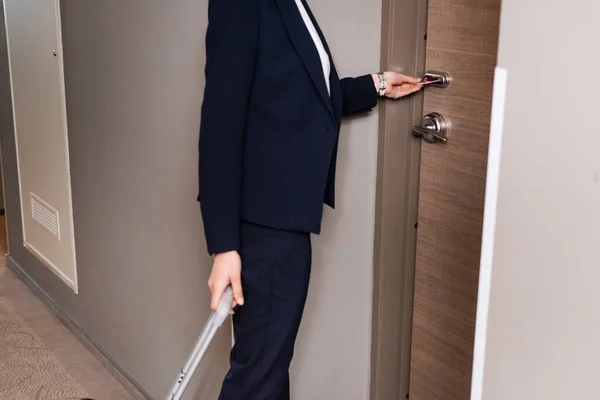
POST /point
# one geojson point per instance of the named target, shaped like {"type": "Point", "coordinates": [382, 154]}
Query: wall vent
{"type": "Point", "coordinates": [45, 215]}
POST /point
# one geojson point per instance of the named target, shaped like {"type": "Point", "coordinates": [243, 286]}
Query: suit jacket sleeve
{"type": "Point", "coordinates": [231, 46]}
{"type": "Point", "coordinates": [358, 94]}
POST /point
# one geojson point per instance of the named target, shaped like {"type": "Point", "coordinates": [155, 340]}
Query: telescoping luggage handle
{"type": "Point", "coordinates": [215, 321]}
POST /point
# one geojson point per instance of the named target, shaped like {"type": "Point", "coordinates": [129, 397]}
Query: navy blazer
{"type": "Point", "coordinates": [269, 129]}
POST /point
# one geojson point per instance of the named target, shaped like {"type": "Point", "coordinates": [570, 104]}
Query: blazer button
{"type": "Point", "coordinates": [327, 129]}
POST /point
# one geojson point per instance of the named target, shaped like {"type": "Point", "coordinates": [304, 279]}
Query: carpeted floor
{"type": "Point", "coordinates": [40, 358]}
{"type": "Point", "coordinates": [28, 368]}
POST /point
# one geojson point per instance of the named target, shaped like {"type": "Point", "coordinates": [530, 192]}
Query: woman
{"type": "Point", "coordinates": [272, 110]}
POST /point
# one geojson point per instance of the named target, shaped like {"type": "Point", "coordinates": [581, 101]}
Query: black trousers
{"type": "Point", "coordinates": [275, 276]}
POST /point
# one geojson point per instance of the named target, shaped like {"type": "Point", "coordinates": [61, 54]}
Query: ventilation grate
{"type": "Point", "coordinates": [45, 215]}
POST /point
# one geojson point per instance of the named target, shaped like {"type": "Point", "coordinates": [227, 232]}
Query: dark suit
{"type": "Point", "coordinates": [268, 145]}
{"type": "Point", "coordinates": [269, 129]}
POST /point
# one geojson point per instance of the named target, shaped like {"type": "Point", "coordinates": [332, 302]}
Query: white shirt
{"type": "Point", "coordinates": [325, 62]}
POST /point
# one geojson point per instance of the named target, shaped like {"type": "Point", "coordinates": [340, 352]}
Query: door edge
{"type": "Point", "coordinates": [403, 35]}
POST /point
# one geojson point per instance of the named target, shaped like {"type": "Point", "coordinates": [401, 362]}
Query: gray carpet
{"type": "Point", "coordinates": [28, 369]}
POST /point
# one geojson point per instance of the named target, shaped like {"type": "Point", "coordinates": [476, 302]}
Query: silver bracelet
{"type": "Point", "coordinates": [383, 84]}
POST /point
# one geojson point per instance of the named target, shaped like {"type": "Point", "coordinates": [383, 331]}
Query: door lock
{"type": "Point", "coordinates": [433, 128]}
{"type": "Point", "coordinates": [437, 79]}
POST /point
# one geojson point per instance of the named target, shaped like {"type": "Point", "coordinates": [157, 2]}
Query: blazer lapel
{"type": "Point", "coordinates": [305, 47]}
{"type": "Point", "coordinates": [314, 21]}
{"type": "Point", "coordinates": [334, 79]}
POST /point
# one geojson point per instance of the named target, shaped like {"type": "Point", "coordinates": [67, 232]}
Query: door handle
{"type": "Point", "coordinates": [433, 128]}
{"type": "Point", "coordinates": [437, 79]}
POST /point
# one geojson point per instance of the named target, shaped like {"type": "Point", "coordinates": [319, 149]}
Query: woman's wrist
{"type": "Point", "coordinates": [226, 254]}
{"type": "Point", "coordinates": [381, 83]}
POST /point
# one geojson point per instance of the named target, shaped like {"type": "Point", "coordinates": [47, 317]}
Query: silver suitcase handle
{"type": "Point", "coordinates": [215, 321]}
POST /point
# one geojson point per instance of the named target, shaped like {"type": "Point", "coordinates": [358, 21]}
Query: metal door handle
{"type": "Point", "coordinates": [427, 132]}
{"type": "Point", "coordinates": [437, 79]}
{"type": "Point", "coordinates": [433, 128]}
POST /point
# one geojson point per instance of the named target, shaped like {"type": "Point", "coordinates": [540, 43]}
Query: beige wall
{"type": "Point", "coordinates": [133, 86]}
{"type": "Point", "coordinates": [544, 321]}
{"type": "Point", "coordinates": [134, 77]}
{"type": "Point", "coordinates": [334, 350]}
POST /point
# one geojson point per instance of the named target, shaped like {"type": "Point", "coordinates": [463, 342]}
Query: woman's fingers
{"type": "Point", "coordinates": [226, 270]}
{"type": "Point", "coordinates": [404, 90]}
{"type": "Point", "coordinates": [238, 296]}
{"type": "Point", "coordinates": [411, 79]}
{"type": "Point", "coordinates": [411, 88]}
{"type": "Point", "coordinates": [396, 78]}
{"type": "Point", "coordinates": [401, 85]}
{"type": "Point", "coordinates": [217, 292]}
{"type": "Point", "coordinates": [236, 285]}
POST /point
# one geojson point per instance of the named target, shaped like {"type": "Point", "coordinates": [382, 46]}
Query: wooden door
{"type": "Point", "coordinates": [462, 38]}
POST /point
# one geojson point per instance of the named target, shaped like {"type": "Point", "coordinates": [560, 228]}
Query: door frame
{"type": "Point", "coordinates": [403, 45]}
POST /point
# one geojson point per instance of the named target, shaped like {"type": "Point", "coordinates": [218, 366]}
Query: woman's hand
{"type": "Point", "coordinates": [398, 85]}
{"type": "Point", "coordinates": [227, 269]}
